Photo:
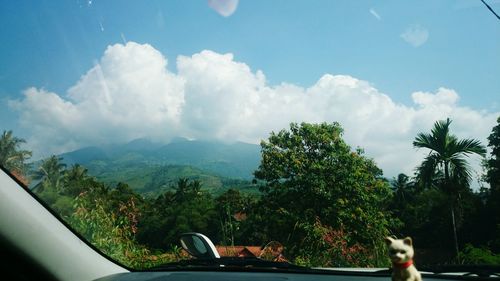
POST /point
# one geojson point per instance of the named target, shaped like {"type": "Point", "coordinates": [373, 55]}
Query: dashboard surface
{"type": "Point", "coordinates": [254, 276]}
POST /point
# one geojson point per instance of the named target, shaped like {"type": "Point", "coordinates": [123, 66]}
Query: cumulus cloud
{"type": "Point", "coordinates": [225, 8]}
{"type": "Point", "coordinates": [130, 94]}
{"type": "Point", "coordinates": [415, 35]}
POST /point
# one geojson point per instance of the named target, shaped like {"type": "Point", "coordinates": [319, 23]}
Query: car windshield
{"type": "Point", "coordinates": [310, 132]}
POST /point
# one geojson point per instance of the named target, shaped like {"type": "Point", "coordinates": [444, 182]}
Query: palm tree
{"type": "Point", "coordinates": [445, 165]}
{"type": "Point", "coordinates": [49, 174]}
{"type": "Point", "coordinates": [401, 186]}
{"type": "Point", "coordinates": [76, 173]}
{"type": "Point", "coordinates": [75, 179]}
{"type": "Point", "coordinates": [11, 157]}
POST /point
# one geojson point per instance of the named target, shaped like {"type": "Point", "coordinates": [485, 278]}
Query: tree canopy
{"type": "Point", "coordinates": [445, 165]}
{"type": "Point", "coordinates": [326, 203]}
{"type": "Point", "coordinates": [313, 178]}
{"type": "Point", "coordinates": [446, 160]}
{"type": "Point", "coordinates": [11, 156]}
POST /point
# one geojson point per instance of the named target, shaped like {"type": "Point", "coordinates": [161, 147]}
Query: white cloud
{"type": "Point", "coordinates": [415, 35]}
{"type": "Point", "coordinates": [224, 7]}
{"type": "Point", "coordinates": [130, 94]}
{"type": "Point", "coordinates": [375, 14]}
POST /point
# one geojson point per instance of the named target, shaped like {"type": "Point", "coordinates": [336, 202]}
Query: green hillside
{"type": "Point", "coordinates": [150, 168]}
{"type": "Point", "coordinates": [236, 160]}
{"type": "Point", "coordinates": [152, 180]}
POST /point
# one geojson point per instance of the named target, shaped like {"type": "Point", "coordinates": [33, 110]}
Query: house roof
{"type": "Point", "coordinates": [251, 251]}
{"type": "Point", "coordinates": [239, 251]}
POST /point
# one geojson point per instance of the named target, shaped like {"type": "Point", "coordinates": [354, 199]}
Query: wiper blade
{"type": "Point", "coordinates": [467, 270]}
{"type": "Point", "coordinates": [228, 262]}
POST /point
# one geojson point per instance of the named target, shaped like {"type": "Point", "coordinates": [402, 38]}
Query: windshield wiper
{"type": "Point", "coordinates": [228, 263]}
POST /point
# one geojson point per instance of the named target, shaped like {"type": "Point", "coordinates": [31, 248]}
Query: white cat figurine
{"type": "Point", "coordinates": [401, 255]}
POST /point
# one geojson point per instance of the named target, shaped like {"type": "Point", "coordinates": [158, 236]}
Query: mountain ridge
{"type": "Point", "coordinates": [147, 166]}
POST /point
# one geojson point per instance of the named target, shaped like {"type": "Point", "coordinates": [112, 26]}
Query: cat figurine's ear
{"type": "Point", "coordinates": [388, 240]}
{"type": "Point", "coordinates": [408, 241]}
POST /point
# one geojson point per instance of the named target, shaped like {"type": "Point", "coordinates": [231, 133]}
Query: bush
{"type": "Point", "coordinates": [478, 256]}
{"type": "Point", "coordinates": [326, 247]}
{"type": "Point", "coordinates": [113, 232]}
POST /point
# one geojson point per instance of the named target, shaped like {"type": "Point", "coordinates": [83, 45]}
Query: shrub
{"type": "Point", "coordinates": [113, 232]}
{"type": "Point", "coordinates": [478, 256]}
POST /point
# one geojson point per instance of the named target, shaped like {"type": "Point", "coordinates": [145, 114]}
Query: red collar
{"type": "Point", "coordinates": [403, 265]}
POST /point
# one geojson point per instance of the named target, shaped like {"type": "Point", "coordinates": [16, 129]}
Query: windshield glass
{"type": "Point", "coordinates": [310, 132]}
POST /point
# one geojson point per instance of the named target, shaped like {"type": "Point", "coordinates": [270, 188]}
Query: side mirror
{"type": "Point", "coordinates": [199, 246]}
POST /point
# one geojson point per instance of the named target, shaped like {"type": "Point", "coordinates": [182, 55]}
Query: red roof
{"type": "Point", "coordinates": [252, 251]}
{"type": "Point", "coordinates": [238, 251]}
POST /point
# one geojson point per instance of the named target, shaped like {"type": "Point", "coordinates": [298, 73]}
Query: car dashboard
{"type": "Point", "coordinates": [274, 276]}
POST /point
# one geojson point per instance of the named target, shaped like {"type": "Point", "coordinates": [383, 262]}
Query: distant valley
{"type": "Point", "coordinates": [151, 168]}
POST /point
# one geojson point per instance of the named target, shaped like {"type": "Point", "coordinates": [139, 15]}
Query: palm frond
{"type": "Point", "coordinates": [460, 171]}
{"type": "Point", "coordinates": [468, 146]}
{"type": "Point", "coordinates": [425, 141]}
{"type": "Point", "coordinates": [426, 172]}
{"type": "Point", "coordinates": [441, 134]}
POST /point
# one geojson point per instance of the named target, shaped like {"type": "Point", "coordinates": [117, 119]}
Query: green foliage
{"type": "Point", "coordinates": [445, 166]}
{"type": "Point", "coordinates": [327, 204]}
{"type": "Point", "coordinates": [445, 162]}
{"type": "Point", "coordinates": [153, 180]}
{"type": "Point", "coordinates": [113, 232]}
{"type": "Point", "coordinates": [173, 213]}
{"type": "Point", "coordinates": [326, 247]}
{"type": "Point", "coordinates": [424, 217]}
{"type": "Point", "coordinates": [479, 256]}
{"type": "Point", "coordinates": [11, 156]}
{"type": "Point", "coordinates": [236, 160]}
{"type": "Point", "coordinates": [232, 207]}
{"type": "Point", "coordinates": [310, 173]}
{"type": "Point", "coordinates": [492, 164]}
{"type": "Point", "coordinates": [49, 174]}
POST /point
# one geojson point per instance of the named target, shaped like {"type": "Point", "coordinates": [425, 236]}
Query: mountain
{"type": "Point", "coordinates": [236, 160]}
{"type": "Point", "coordinates": [148, 166]}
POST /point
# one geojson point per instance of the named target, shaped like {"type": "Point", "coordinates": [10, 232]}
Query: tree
{"type": "Point", "coordinates": [186, 190]}
{"type": "Point", "coordinates": [188, 209]}
{"type": "Point", "coordinates": [492, 165]}
{"type": "Point", "coordinates": [401, 186]}
{"type": "Point", "coordinates": [76, 173]}
{"type": "Point", "coordinates": [75, 180]}
{"type": "Point", "coordinates": [312, 177]}
{"type": "Point", "coordinates": [11, 157]}
{"type": "Point", "coordinates": [50, 174]}
{"type": "Point", "coordinates": [232, 207]}
{"type": "Point", "coordinates": [445, 165]}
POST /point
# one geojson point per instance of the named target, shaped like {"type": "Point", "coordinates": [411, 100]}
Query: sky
{"type": "Point", "coordinates": [80, 73]}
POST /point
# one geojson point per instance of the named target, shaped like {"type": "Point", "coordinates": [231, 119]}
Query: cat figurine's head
{"type": "Point", "coordinates": [400, 250]}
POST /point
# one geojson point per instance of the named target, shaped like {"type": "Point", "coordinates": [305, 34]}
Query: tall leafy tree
{"type": "Point", "coordinates": [446, 165]}
{"type": "Point", "coordinates": [232, 207]}
{"type": "Point", "coordinates": [50, 174]}
{"type": "Point", "coordinates": [492, 165]}
{"type": "Point", "coordinates": [313, 178]}
{"type": "Point", "coordinates": [76, 173]}
{"type": "Point", "coordinates": [11, 156]}
{"type": "Point", "coordinates": [75, 180]}
{"type": "Point", "coordinates": [401, 187]}
{"type": "Point", "coordinates": [186, 209]}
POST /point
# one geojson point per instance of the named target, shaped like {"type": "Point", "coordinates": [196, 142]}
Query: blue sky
{"type": "Point", "coordinates": [52, 43]}
{"type": "Point", "coordinates": [396, 47]}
